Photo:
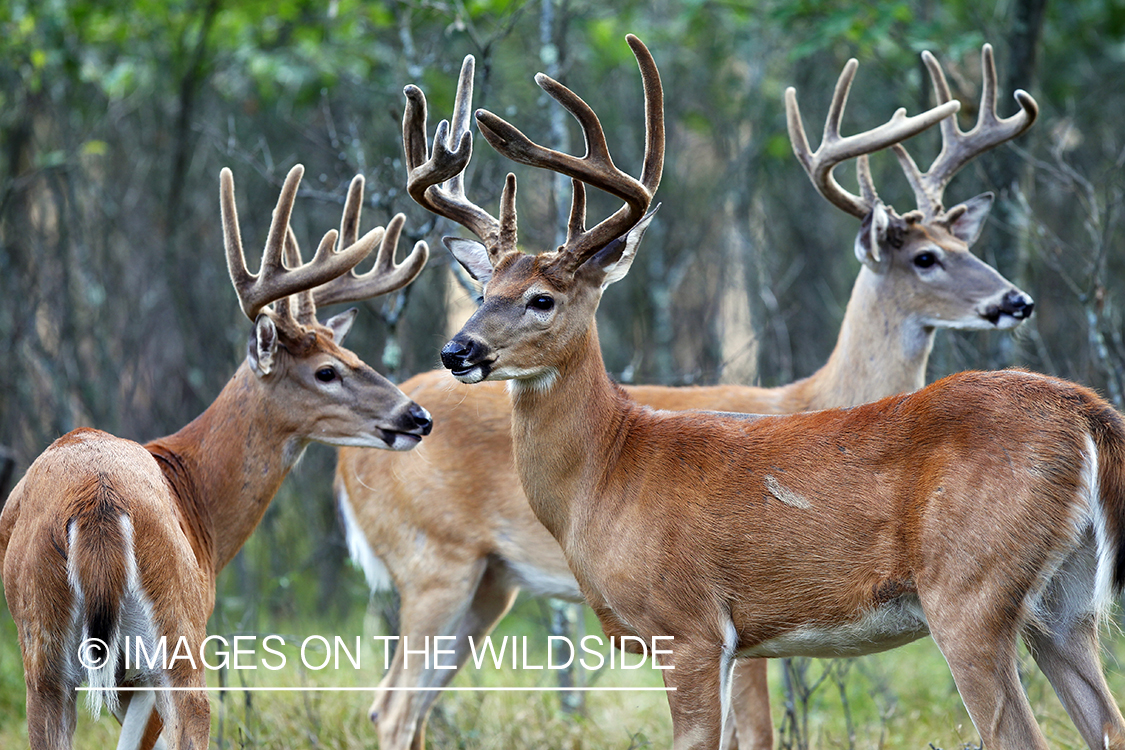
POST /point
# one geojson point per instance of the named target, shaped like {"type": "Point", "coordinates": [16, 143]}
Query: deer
{"type": "Point", "coordinates": [982, 509]}
{"type": "Point", "coordinates": [105, 540]}
{"type": "Point", "coordinates": [449, 526]}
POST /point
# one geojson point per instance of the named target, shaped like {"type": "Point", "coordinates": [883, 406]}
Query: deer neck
{"type": "Point", "coordinates": [225, 467]}
{"type": "Point", "coordinates": [882, 350]}
{"type": "Point", "coordinates": [563, 430]}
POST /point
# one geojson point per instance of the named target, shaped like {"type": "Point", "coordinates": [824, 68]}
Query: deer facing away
{"type": "Point", "coordinates": [105, 538]}
{"type": "Point", "coordinates": [450, 521]}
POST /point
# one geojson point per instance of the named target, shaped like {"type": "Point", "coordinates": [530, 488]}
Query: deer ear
{"type": "Point", "coordinates": [341, 324]}
{"type": "Point", "coordinates": [872, 235]}
{"type": "Point", "coordinates": [472, 255]}
{"type": "Point", "coordinates": [614, 259]}
{"type": "Point", "coordinates": [969, 218]}
{"type": "Point", "coordinates": [262, 347]}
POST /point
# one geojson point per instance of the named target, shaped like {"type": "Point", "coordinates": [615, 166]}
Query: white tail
{"type": "Point", "coordinates": [110, 540]}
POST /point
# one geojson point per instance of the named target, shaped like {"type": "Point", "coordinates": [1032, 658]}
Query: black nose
{"type": "Point", "coordinates": [421, 419]}
{"type": "Point", "coordinates": [459, 353]}
{"type": "Point", "coordinates": [453, 354]}
{"type": "Point", "coordinates": [1017, 304]}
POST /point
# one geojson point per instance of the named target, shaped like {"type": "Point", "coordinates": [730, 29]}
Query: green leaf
{"type": "Point", "coordinates": [94, 148]}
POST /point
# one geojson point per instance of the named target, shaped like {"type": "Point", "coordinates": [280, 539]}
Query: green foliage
{"type": "Point", "coordinates": [866, 27]}
{"type": "Point", "coordinates": [115, 309]}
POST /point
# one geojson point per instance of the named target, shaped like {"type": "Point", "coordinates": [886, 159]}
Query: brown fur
{"type": "Point", "coordinates": [459, 491]}
{"type": "Point", "coordinates": [669, 525]}
{"type": "Point", "coordinates": [907, 331]}
{"type": "Point", "coordinates": [95, 512]}
{"type": "Point", "coordinates": [193, 499]}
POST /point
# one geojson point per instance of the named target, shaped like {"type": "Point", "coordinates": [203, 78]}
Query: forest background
{"type": "Point", "coordinates": [116, 117]}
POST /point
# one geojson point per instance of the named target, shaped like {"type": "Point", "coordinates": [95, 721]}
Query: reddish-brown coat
{"type": "Point", "coordinates": [193, 498]}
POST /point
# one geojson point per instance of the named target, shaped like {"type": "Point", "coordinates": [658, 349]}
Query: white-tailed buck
{"type": "Point", "coordinates": [450, 521]}
{"type": "Point", "coordinates": [984, 508]}
{"type": "Point", "coordinates": [107, 539]}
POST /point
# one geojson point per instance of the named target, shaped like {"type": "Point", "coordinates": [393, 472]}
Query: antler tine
{"type": "Point", "coordinates": [232, 238]}
{"type": "Point", "coordinates": [957, 146]}
{"type": "Point", "coordinates": [596, 167]}
{"type": "Point", "coordinates": [353, 207]}
{"type": "Point", "coordinates": [248, 286]}
{"type": "Point", "coordinates": [274, 281]}
{"type": "Point", "coordinates": [460, 125]}
{"type": "Point", "coordinates": [452, 149]}
{"type": "Point", "coordinates": [384, 277]}
{"type": "Point", "coordinates": [835, 149]}
{"type": "Point", "coordinates": [300, 306]}
{"type": "Point", "coordinates": [653, 168]}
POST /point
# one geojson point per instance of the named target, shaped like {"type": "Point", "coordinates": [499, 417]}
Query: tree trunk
{"type": "Point", "coordinates": [1010, 173]}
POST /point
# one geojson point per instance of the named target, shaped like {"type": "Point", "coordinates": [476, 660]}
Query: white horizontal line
{"type": "Point", "coordinates": [381, 689]}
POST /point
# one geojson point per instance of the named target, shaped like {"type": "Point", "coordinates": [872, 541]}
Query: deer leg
{"type": "Point", "coordinates": [186, 714]}
{"type": "Point", "coordinates": [51, 716]}
{"type": "Point", "coordinates": [152, 738]}
{"type": "Point", "coordinates": [698, 685]}
{"type": "Point", "coordinates": [1070, 660]}
{"type": "Point", "coordinates": [141, 725]}
{"type": "Point", "coordinates": [492, 600]}
{"type": "Point", "coordinates": [1064, 642]}
{"type": "Point", "coordinates": [135, 713]}
{"type": "Point", "coordinates": [981, 654]}
{"type": "Point", "coordinates": [990, 688]}
{"type": "Point", "coordinates": [433, 603]}
{"type": "Point", "coordinates": [752, 727]}
{"type": "Point", "coordinates": [192, 727]}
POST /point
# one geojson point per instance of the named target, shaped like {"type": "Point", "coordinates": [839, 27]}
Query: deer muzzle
{"type": "Point", "coordinates": [467, 358]}
{"type": "Point", "coordinates": [1014, 307]}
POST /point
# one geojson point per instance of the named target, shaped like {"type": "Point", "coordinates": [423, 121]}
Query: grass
{"type": "Point", "coordinates": [904, 698]}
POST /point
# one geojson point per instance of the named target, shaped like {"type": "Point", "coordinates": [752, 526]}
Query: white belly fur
{"type": "Point", "coordinates": [894, 624]}
{"type": "Point", "coordinates": [541, 581]}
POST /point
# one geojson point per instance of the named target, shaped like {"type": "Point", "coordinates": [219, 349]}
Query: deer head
{"type": "Point", "coordinates": [533, 303]}
{"type": "Point", "coordinates": [291, 351]}
{"type": "Point", "coordinates": [929, 245]}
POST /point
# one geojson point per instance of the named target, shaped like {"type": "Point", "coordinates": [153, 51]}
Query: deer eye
{"type": "Point", "coordinates": [541, 302]}
{"type": "Point", "coordinates": [925, 260]}
{"type": "Point", "coordinates": [326, 374]}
